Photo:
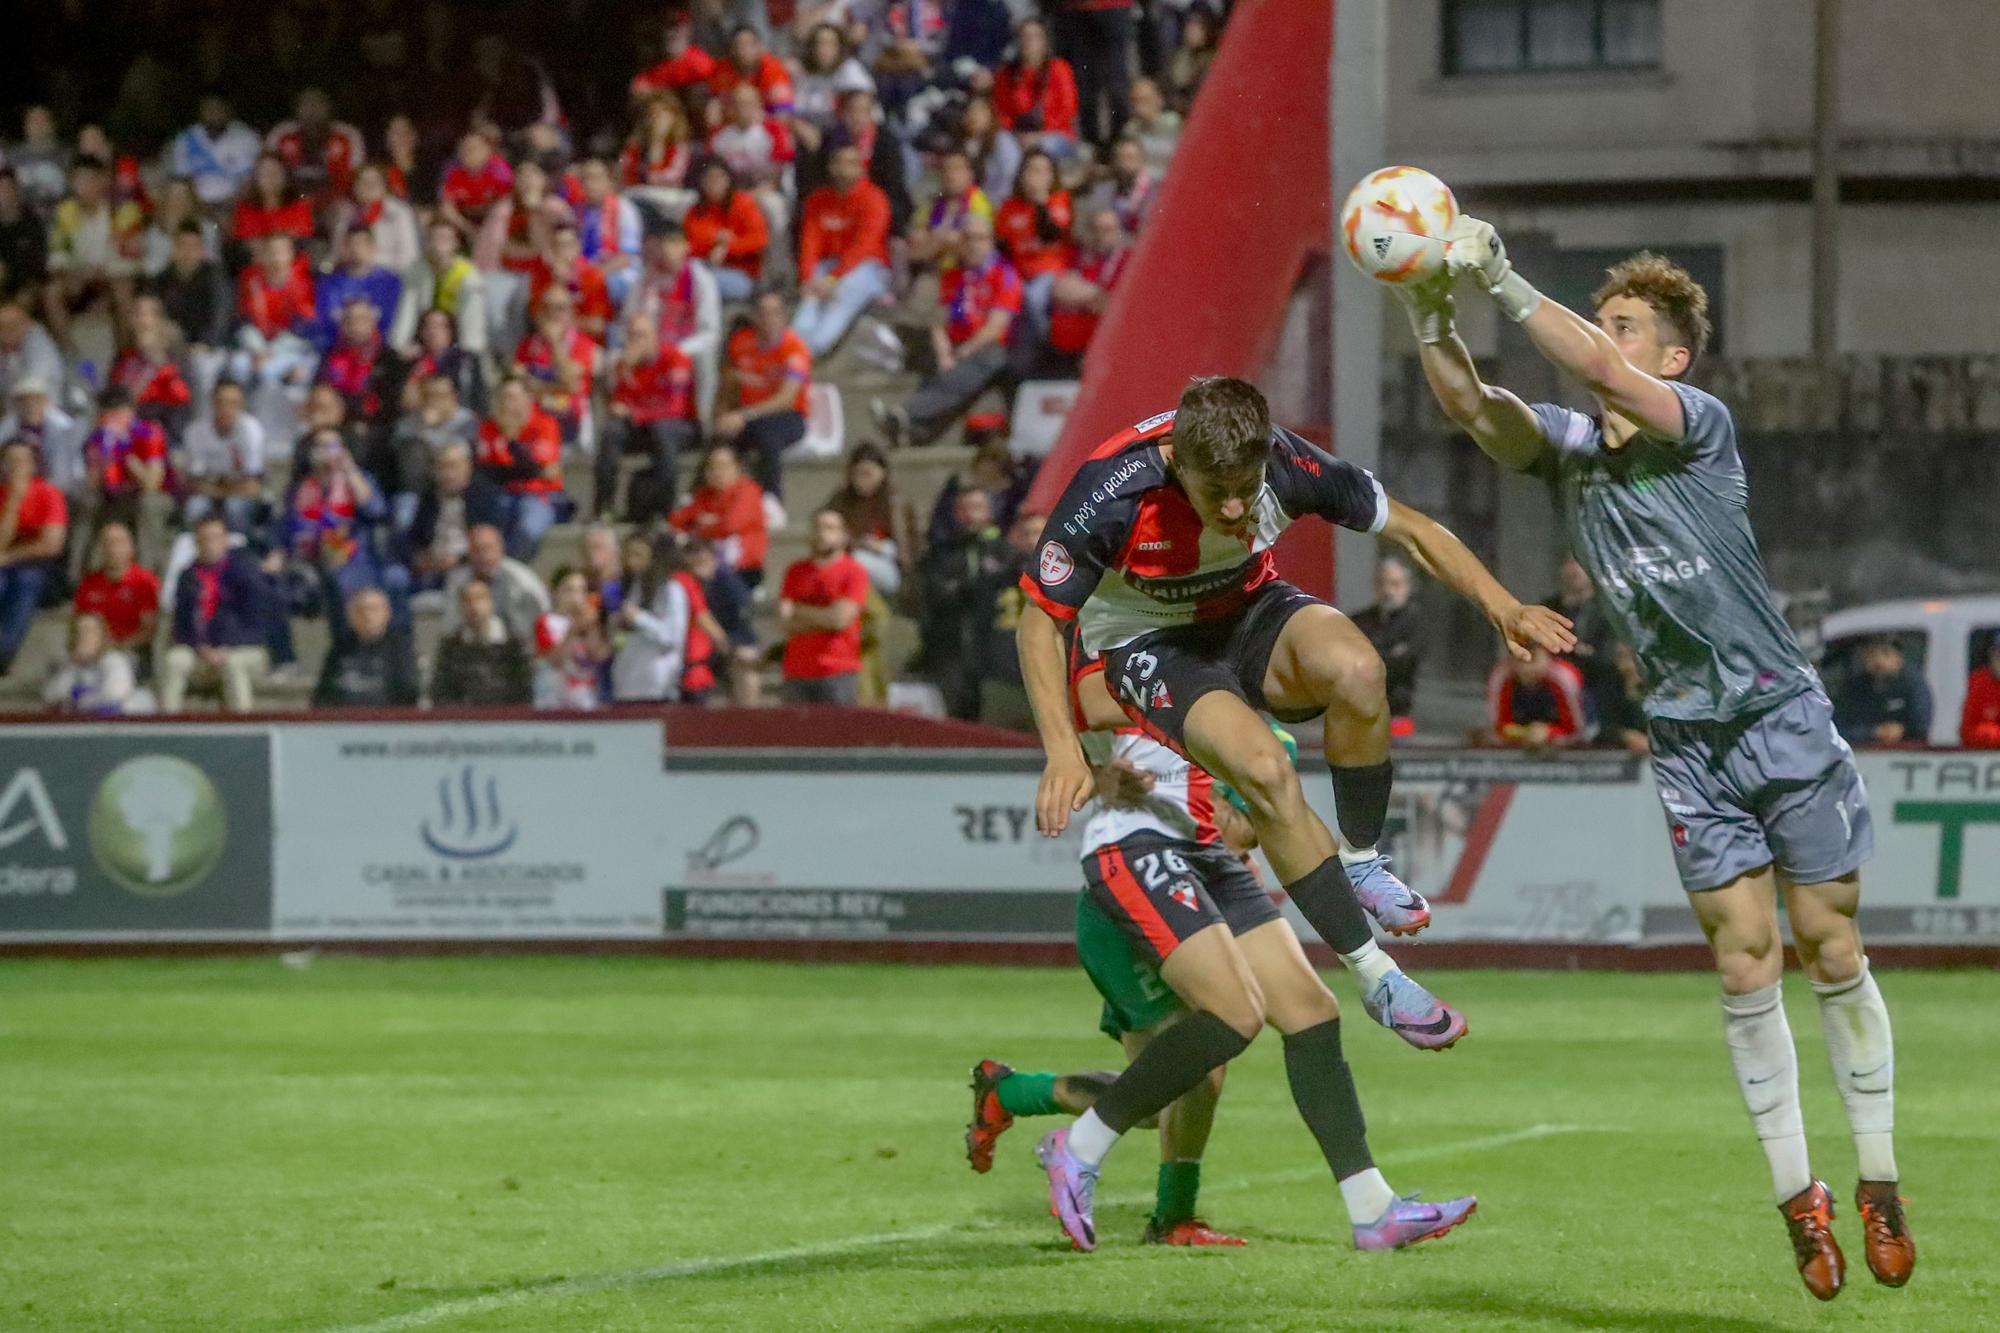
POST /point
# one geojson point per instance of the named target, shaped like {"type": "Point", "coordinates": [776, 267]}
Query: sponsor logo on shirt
{"type": "Point", "coordinates": [1156, 546]}
{"type": "Point", "coordinates": [1150, 422]}
{"type": "Point", "coordinates": [1656, 565]}
{"type": "Point", "coordinates": [1055, 565]}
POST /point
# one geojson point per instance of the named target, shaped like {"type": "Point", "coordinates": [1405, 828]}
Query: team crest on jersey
{"type": "Point", "coordinates": [1055, 563]}
{"type": "Point", "coordinates": [1183, 893]}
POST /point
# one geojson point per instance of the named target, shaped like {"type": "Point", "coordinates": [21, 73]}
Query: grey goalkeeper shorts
{"type": "Point", "coordinates": [1776, 788]}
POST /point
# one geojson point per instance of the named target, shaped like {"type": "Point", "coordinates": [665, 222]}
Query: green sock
{"type": "Point", "coordinates": [1028, 1094]}
{"type": "Point", "coordinates": [1180, 1182]}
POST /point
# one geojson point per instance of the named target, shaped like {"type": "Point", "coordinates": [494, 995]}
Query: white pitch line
{"type": "Point", "coordinates": [635, 1277]}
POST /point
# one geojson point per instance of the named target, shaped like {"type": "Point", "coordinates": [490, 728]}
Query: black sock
{"type": "Point", "coordinates": [1361, 796]}
{"type": "Point", "coordinates": [1323, 1090]}
{"type": "Point", "coordinates": [1172, 1063]}
{"type": "Point", "coordinates": [1326, 900]}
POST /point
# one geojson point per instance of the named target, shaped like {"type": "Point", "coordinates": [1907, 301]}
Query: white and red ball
{"type": "Point", "coordinates": [1394, 222]}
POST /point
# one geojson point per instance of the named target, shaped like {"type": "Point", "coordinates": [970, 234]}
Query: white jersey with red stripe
{"type": "Point", "coordinates": [1125, 553]}
{"type": "Point", "coordinates": [1181, 804]}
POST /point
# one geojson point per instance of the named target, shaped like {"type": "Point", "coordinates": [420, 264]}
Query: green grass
{"type": "Point", "coordinates": [546, 1143]}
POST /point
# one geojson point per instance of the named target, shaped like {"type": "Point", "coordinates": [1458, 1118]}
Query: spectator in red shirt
{"type": "Point", "coordinates": [520, 447]}
{"type": "Point", "coordinates": [1979, 725]}
{"type": "Point", "coordinates": [749, 63]}
{"type": "Point", "coordinates": [358, 367]}
{"type": "Point", "coordinates": [843, 253]}
{"type": "Point", "coordinates": [685, 66]}
{"type": "Point", "coordinates": [563, 267]}
{"type": "Point", "coordinates": [758, 147]}
{"type": "Point", "coordinates": [679, 296]}
{"type": "Point", "coordinates": [124, 593]}
{"type": "Point", "coordinates": [772, 370]}
{"type": "Point", "coordinates": [1034, 94]}
{"type": "Point", "coordinates": [1033, 227]}
{"type": "Point", "coordinates": [477, 179]}
{"type": "Point", "coordinates": [979, 301]}
{"type": "Point", "coordinates": [654, 162]}
{"type": "Point", "coordinates": [270, 204]}
{"type": "Point", "coordinates": [34, 525]}
{"type": "Point", "coordinates": [517, 231]}
{"type": "Point", "coordinates": [124, 478]}
{"type": "Point", "coordinates": [727, 229]}
{"type": "Point", "coordinates": [727, 510]}
{"type": "Point", "coordinates": [1536, 704]}
{"type": "Point", "coordinates": [321, 151]}
{"type": "Point", "coordinates": [1082, 292]}
{"type": "Point", "coordinates": [652, 413]}
{"type": "Point", "coordinates": [819, 610]}
{"type": "Point", "coordinates": [149, 367]}
{"type": "Point", "coordinates": [560, 361]}
{"type": "Point", "coordinates": [276, 312]}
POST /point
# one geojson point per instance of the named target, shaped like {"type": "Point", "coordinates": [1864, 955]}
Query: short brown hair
{"type": "Point", "coordinates": [1223, 428]}
{"type": "Point", "coordinates": [1676, 299]}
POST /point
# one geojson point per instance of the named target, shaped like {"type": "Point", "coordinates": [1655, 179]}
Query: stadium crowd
{"type": "Point", "coordinates": [342, 326]}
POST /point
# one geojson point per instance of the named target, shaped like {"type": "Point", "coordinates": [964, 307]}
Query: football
{"type": "Point", "coordinates": [1394, 222]}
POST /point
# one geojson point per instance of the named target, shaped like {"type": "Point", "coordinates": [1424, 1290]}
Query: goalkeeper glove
{"type": "Point", "coordinates": [1428, 304]}
{"type": "Point", "coordinates": [1473, 247]}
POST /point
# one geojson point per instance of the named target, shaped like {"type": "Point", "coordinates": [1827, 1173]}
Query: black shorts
{"type": "Point", "coordinates": [1161, 890]}
{"type": "Point", "coordinates": [1157, 677]}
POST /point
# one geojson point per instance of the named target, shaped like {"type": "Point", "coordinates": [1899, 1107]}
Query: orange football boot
{"type": "Point", "coordinates": [1809, 1216]}
{"type": "Point", "coordinates": [989, 1118]}
{"type": "Point", "coordinates": [1891, 1251]}
{"type": "Point", "coordinates": [1193, 1231]}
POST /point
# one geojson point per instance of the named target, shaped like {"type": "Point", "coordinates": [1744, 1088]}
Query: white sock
{"type": "Point", "coordinates": [1090, 1138]}
{"type": "Point", "coordinates": [1370, 962]}
{"type": "Point", "coordinates": [1367, 1196]}
{"type": "Point", "coordinates": [1351, 855]}
{"type": "Point", "coordinates": [1863, 1054]}
{"type": "Point", "coordinates": [1767, 1072]}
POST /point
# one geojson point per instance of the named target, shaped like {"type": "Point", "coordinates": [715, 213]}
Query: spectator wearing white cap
{"type": "Point", "coordinates": [57, 437]}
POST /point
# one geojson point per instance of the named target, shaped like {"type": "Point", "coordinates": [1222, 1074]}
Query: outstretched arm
{"type": "Point", "coordinates": [1499, 423]}
{"type": "Point", "coordinates": [1447, 559]}
{"type": "Point", "coordinates": [1571, 343]}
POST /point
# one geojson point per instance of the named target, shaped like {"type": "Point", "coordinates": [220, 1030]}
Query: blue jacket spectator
{"type": "Point", "coordinates": [358, 276]}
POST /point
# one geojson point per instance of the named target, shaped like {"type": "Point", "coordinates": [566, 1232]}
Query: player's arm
{"type": "Point", "coordinates": [1571, 343]}
{"type": "Point", "coordinates": [1066, 778]}
{"type": "Point", "coordinates": [1448, 560]}
{"type": "Point", "coordinates": [1498, 422]}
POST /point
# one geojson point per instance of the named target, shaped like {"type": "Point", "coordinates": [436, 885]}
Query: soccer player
{"type": "Point", "coordinates": [1761, 794]}
{"type": "Point", "coordinates": [1141, 787]}
{"type": "Point", "coordinates": [1159, 550]}
{"type": "Point", "coordinates": [1159, 868]}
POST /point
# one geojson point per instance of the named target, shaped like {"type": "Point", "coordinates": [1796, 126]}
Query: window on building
{"type": "Point", "coordinates": [1535, 36]}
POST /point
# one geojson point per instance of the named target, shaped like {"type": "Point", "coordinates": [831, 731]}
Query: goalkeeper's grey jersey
{"type": "Point", "coordinates": [1664, 530]}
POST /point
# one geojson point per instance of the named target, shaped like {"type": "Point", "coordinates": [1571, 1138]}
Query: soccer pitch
{"type": "Point", "coordinates": [564, 1143]}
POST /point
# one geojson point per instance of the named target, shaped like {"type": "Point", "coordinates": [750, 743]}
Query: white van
{"type": "Point", "coordinates": [1943, 638]}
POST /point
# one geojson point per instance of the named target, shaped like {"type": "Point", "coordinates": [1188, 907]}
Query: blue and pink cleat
{"type": "Point", "coordinates": [1413, 1013]}
{"type": "Point", "coordinates": [1072, 1188]}
{"type": "Point", "coordinates": [1396, 907]}
{"type": "Point", "coordinates": [1410, 1220]}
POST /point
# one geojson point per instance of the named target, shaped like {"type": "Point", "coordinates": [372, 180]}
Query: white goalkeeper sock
{"type": "Point", "coordinates": [1863, 1054]}
{"type": "Point", "coordinates": [1090, 1138]}
{"type": "Point", "coordinates": [1370, 963]}
{"type": "Point", "coordinates": [1767, 1072]}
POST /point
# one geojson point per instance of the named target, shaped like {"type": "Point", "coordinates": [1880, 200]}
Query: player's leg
{"type": "Point", "coordinates": [1184, 1130]}
{"type": "Point", "coordinates": [1814, 811]}
{"type": "Point", "coordinates": [1860, 1046]}
{"type": "Point", "coordinates": [1740, 920]}
{"type": "Point", "coordinates": [1135, 999]}
{"type": "Point", "coordinates": [1231, 741]}
{"type": "Point", "coordinates": [1320, 662]}
{"type": "Point", "coordinates": [1300, 1006]}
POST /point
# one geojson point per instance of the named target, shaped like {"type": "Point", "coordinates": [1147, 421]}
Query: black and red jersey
{"type": "Point", "coordinates": [1125, 553]}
